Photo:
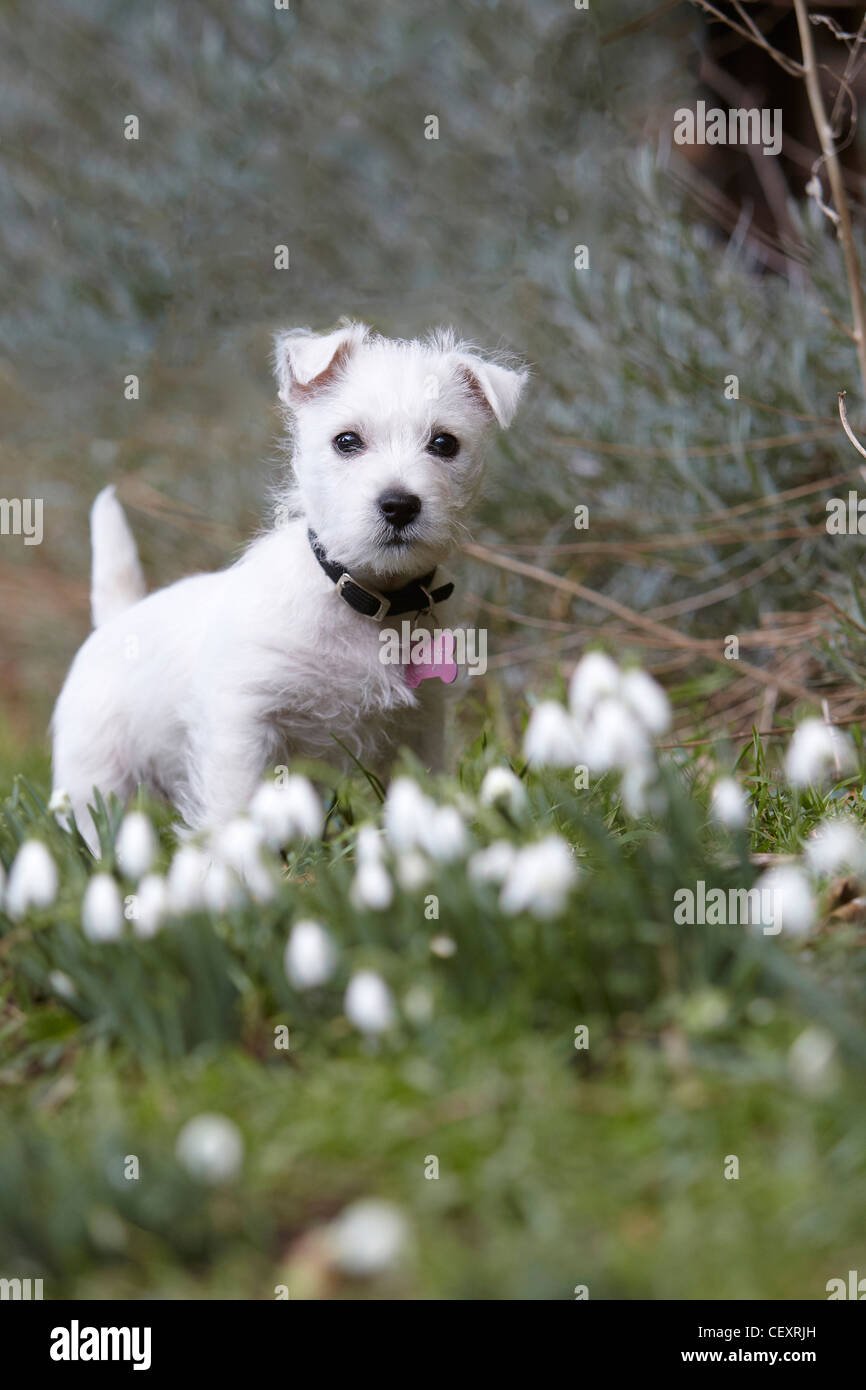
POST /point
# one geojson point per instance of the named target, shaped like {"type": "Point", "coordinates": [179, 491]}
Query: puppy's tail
{"type": "Point", "coordinates": [116, 578]}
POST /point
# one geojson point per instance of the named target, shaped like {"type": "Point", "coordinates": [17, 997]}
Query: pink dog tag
{"type": "Point", "coordinates": [443, 667]}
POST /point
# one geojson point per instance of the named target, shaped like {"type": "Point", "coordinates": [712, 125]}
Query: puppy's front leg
{"type": "Point", "coordinates": [229, 758]}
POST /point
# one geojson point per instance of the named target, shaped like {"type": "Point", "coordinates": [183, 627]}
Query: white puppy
{"type": "Point", "coordinates": [196, 689]}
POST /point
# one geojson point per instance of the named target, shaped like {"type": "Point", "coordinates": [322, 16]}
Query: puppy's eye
{"type": "Point", "coordinates": [348, 443]}
{"type": "Point", "coordinates": [444, 446]}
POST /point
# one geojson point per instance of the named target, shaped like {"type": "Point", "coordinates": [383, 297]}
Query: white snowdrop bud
{"type": "Point", "coordinates": [370, 1237]}
{"type": "Point", "coordinates": [135, 845]}
{"type": "Point", "coordinates": [62, 985]}
{"type": "Point", "coordinates": [615, 738]}
{"type": "Point", "coordinates": [540, 879]}
{"type": "Point", "coordinates": [413, 870]}
{"type": "Point", "coordinates": [32, 879]}
{"type": "Point", "coordinates": [240, 844]}
{"type": "Point", "coordinates": [446, 838]}
{"type": "Point", "coordinates": [186, 876]}
{"type": "Point", "coordinates": [407, 814]}
{"type": "Point", "coordinates": [502, 788]}
{"type": "Point", "coordinates": [595, 677]}
{"type": "Point", "coordinates": [211, 1148]}
{"type": "Point", "coordinates": [646, 698]}
{"type": "Point", "coordinates": [811, 1061]}
{"type": "Point", "coordinates": [60, 807]}
{"type": "Point", "coordinates": [371, 887]}
{"type": "Point", "coordinates": [551, 738]}
{"type": "Point", "coordinates": [729, 805]}
{"type": "Point", "coordinates": [834, 845]}
{"type": "Point", "coordinates": [443, 946]}
{"type": "Point", "coordinates": [818, 751]}
{"type": "Point", "coordinates": [310, 957]}
{"type": "Point", "coordinates": [641, 790]}
{"type": "Point", "coordinates": [369, 1003]}
{"type": "Point", "coordinates": [287, 811]}
{"type": "Point", "coordinates": [307, 813]}
{"type": "Point", "coordinates": [492, 865]}
{"type": "Point", "coordinates": [151, 905]}
{"type": "Point", "coordinates": [418, 1005]}
{"type": "Point", "coordinates": [221, 888]}
{"type": "Point", "coordinates": [102, 909]}
{"type": "Point", "coordinates": [786, 901]}
{"type": "Point", "coordinates": [369, 846]}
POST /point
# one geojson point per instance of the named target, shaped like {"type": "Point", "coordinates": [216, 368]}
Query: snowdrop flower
{"type": "Point", "coordinates": [369, 1003]}
{"type": "Point", "coordinates": [63, 987]}
{"type": "Point", "coordinates": [369, 848]}
{"type": "Point", "coordinates": [836, 844]}
{"type": "Point", "coordinates": [502, 788]}
{"type": "Point", "coordinates": [615, 737]}
{"type": "Point", "coordinates": [641, 791]}
{"type": "Point", "coordinates": [150, 906]}
{"type": "Point", "coordinates": [32, 879]}
{"type": "Point", "coordinates": [60, 807]}
{"type": "Point", "coordinates": [595, 677]}
{"type": "Point", "coordinates": [2, 883]}
{"type": "Point", "coordinates": [287, 811]}
{"type": "Point", "coordinates": [443, 946]}
{"type": "Point", "coordinates": [539, 879]}
{"type": "Point", "coordinates": [135, 845]}
{"type": "Point", "coordinates": [786, 901]}
{"type": "Point", "coordinates": [211, 1148]}
{"type": "Point", "coordinates": [407, 814]}
{"type": "Point", "coordinates": [729, 804]}
{"type": "Point", "coordinates": [310, 957]}
{"type": "Point", "coordinates": [418, 1005]}
{"type": "Point", "coordinates": [446, 834]}
{"type": "Point", "coordinates": [368, 1238]}
{"type": "Point", "coordinates": [646, 698]}
{"type": "Point", "coordinates": [817, 750]}
{"type": "Point", "coordinates": [551, 738]}
{"type": "Point", "coordinates": [811, 1059]}
{"type": "Point", "coordinates": [493, 864]}
{"type": "Point", "coordinates": [186, 876]}
{"type": "Point", "coordinates": [239, 844]}
{"type": "Point", "coordinates": [413, 870]}
{"type": "Point", "coordinates": [221, 887]}
{"type": "Point", "coordinates": [371, 887]}
{"type": "Point", "coordinates": [102, 909]}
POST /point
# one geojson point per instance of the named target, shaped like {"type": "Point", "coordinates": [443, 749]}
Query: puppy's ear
{"type": "Point", "coordinates": [497, 387]}
{"type": "Point", "coordinates": [305, 362]}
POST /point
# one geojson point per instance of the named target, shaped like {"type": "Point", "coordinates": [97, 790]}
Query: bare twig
{"type": "Point", "coordinates": [855, 58]}
{"type": "Point", "coordinates": [756, 37]}
{"type": "Point", "coordinates": [670, 636]}
{"type": "Point", "coordinates": [843, 416]}
{"type": "Point", "coordinates": [837, 185]}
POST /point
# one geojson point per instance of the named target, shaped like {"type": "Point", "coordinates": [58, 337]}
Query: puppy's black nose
{"type": "Point", "coordinates": [399, 508]}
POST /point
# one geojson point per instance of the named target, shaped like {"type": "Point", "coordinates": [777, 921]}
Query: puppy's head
{"type": "Point", "coordinates": [388, 441]}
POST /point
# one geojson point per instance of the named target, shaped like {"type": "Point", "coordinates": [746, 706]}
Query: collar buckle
{"type": "Point", "coordinates": [384, 604]}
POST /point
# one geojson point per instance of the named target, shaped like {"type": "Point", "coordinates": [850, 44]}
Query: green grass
{"type": "Point", "coordinates": [558, 1166]}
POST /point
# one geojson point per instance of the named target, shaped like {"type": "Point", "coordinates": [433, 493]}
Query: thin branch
{"type": "Point", "coordinates": [843, 415]}
{"type": "Point", "coordinates": [855, 58]}
{"type": "Point", "coordinates": [789, 64]}
{"type": "Point", "coordinates": [837, 185]}
{"type": "Point", "coordinates": [670, 636]}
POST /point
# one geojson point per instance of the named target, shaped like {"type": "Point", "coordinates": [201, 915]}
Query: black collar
{"type": "Point", "coordinates": [415, 597]}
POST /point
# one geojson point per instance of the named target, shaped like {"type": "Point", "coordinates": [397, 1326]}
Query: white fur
{"type": "Point", "coordinates": [196, 689]}
{"type": "Point", "coordinates": [117, 580]}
